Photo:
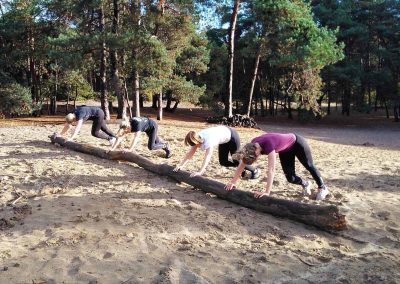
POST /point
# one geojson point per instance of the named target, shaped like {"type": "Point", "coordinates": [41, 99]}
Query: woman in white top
{"type": "Point", "coordinates": [228, 142]}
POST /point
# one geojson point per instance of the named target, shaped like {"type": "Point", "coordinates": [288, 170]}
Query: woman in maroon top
{"type": "Point", "coordinates": [288, 146]}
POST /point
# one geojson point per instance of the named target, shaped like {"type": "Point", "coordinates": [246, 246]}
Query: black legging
{"type": "Point", "coordinates": [100, 124]}
{"type": "Point", "coordinates": [302, 151]}
{"type": "Point", "coordinates": [230, 148]}
{"type": "Point", "coordinates": [154, 142]}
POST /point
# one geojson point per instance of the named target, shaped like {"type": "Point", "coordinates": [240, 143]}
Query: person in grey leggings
{"type": "Point", "coordinates": [84, 113]}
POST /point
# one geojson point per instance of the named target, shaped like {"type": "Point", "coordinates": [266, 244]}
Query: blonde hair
{"type": "Point", "coordinates": [247, 154]}
{"type": "Point", "coordinates": [71, 117]}
{"type": "Point", "coordinates": [124, 124]}
{"type": "Point", "coordinates": [192, 138]}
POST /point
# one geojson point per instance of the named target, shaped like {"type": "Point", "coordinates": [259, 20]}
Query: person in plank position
{"type": "Point", "coordinates": [228, 142]}
{"type": "Point", "coordinates": [288, 146]}
{"type": "Point", "coordinates": [84, 113]}
{"type": "Point", "coordinates": [137, 125]}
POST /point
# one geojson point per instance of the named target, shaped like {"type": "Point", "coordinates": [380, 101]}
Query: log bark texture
{"type": "Point", "coordinates": [326, 217]}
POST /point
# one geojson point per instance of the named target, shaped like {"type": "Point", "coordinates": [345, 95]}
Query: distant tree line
{"type": "Point", "coordinates": [254, 57]}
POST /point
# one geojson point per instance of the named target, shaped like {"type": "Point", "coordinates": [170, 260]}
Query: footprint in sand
{"type": "Point", "coordinates": [383, 215]}
{"type": "Point", "coordinates": [395, 231]}
{"type": "Point", "coordinates": [76, 263]}
{"type": "Point", "coordinates": [108, 255]}
{"type": "Point", "coordinates": [179, 274]}
{"type": "Point", "coordinates": [48, 232]}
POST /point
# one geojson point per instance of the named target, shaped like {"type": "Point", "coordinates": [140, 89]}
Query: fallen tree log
{"type": "Point", "coordinates": [326, 217]}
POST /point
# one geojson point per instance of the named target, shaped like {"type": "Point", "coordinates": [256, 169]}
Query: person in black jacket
{"type": "Point", "coordinates": [83, 113]}
{"type": "Point", "coordinates": [137, 125]}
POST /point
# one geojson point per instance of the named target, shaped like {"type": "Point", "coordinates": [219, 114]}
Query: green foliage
{"type": "Point", "coordinates": [296, 40]}
{"type": "Point", "coordinates": [15, 100]}
{"type": "Point", "coordinates": [215, 78]}
{"type": "Point", "coordinates": [183, 90]}
{"type": "Point", "coordinates": [370, 30]}
{"type": "Point", "coordinates": [194, 58]}
{"type": "Point", "coordinates": [51, 45]}
{"type": "Point", "coordinates": [292, 46]}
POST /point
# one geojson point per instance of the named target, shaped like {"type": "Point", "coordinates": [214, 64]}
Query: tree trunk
{"type": "Point", "coordinates": [32, 65]}
{"type": "Point", "coordinates": [376, 100]}
{"type": "Point", "coordinates": [126, 97]}
{"type": "Point", "coordinates": [137, 93]}
{"type": "Point", "coordinates": [175, 105]}
{"type": "Point", "coordinates": [76, 96]}
{"type": "Point", "coordinates": [118, 88]}
{"type": "Point", "coordinates": [231, 43]}
{"type": "Point", "coordinates": [396, 110]}
{"type": "Point", "coordinates": [289, 107]}
{"type": "Point", "coordinates": [168, 104]}
{"type": "Point", "coordinates": [329, 93]}
{"type": "Point", "coordinates": [160, 107]}
{"type": "Point", "coordinates": [386, 109]}
{"type": "Point", "coordinates": [154, 103]}
{"type": "Point", "coordinates": [53, 105]}
{"type": "Point", "coordinates": [67, 105]}
{"type": "Point", "coordinates": [136, 6]}
{"type": "Point", "coordinates": [54, 98]}
{"type": "Point", "coordinates": [253, 80]}
{"type": "Point", "coordinates": [262, 101]}
{"type": "Point", "coordinates": [103, 64]}
{"type": "Point", "coordinates": [346, 100]}
{"type": "Point", "coordinates": [325, 217]}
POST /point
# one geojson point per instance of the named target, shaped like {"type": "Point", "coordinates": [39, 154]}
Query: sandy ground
{"type": "Point", "coordinates": [81, 219]}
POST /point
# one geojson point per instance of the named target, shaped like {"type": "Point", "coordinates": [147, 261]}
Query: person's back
{"type": "Point", "coordinates": [274, 141]}
{"type": "Point", "coordinates": [143, 124]}
{"type": "Point", "coordinates": [214, 136]}
{"type": "Point", "coordinates": [87, 112]}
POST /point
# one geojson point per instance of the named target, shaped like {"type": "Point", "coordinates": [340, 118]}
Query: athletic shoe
{"type": "Point", "coordinates": [322, 192]}
{"type": "Point", "coordinates": [306, 188]}
{"type": "Point", "coordinates": [112, 140]}
{"type": "Point", "coordinates": [167, 151]}
{"type": "Point", "coordinates": [256, 174]}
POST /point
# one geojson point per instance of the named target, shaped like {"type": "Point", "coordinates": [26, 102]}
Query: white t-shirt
{"type": "Point", "coordinates": [214, 136]}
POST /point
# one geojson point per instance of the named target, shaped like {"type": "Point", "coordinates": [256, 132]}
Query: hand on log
{"type": "Point", "coordinates": [261, 193]}
{"type": "Point", "coordinates": [326, 217]}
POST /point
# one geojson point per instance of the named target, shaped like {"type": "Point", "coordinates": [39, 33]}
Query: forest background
{"type": "Point", "coordinates": [259, 57]}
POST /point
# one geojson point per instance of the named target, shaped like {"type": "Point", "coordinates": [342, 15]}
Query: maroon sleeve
{"type": "Point", "coordinates": [266, 144]}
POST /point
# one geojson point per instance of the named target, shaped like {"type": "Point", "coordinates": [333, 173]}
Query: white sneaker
{"type": "Point", "coordinates": [306, 188]}
{"type": "Point", "coordinates": [112, 140]}
{"type": "Point", "coordinates": [322, 193]}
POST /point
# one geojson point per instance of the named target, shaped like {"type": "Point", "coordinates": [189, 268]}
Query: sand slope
{"type": "Point", "coordinates": [99, 221]}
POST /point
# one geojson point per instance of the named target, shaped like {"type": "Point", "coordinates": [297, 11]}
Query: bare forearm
{"type": "Point", "coordinates": [116, 143]}
{"type": "Point", "coordinates": [271, 171]}
{"type": "Point", "coordinates": [206, 160]}
{"type": "Point", "coordinates": [188, 156]}
{"type": "Point", "coordinates": [270, 180]}
{"type": "Point", "coordinates": [134, 141]}
{"type": "Point", "coordinates": [77, 129]}
{"type": "Point", "coordinates": [66, 127]}
{"type": "Point", "coordinates": [238, 172]}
